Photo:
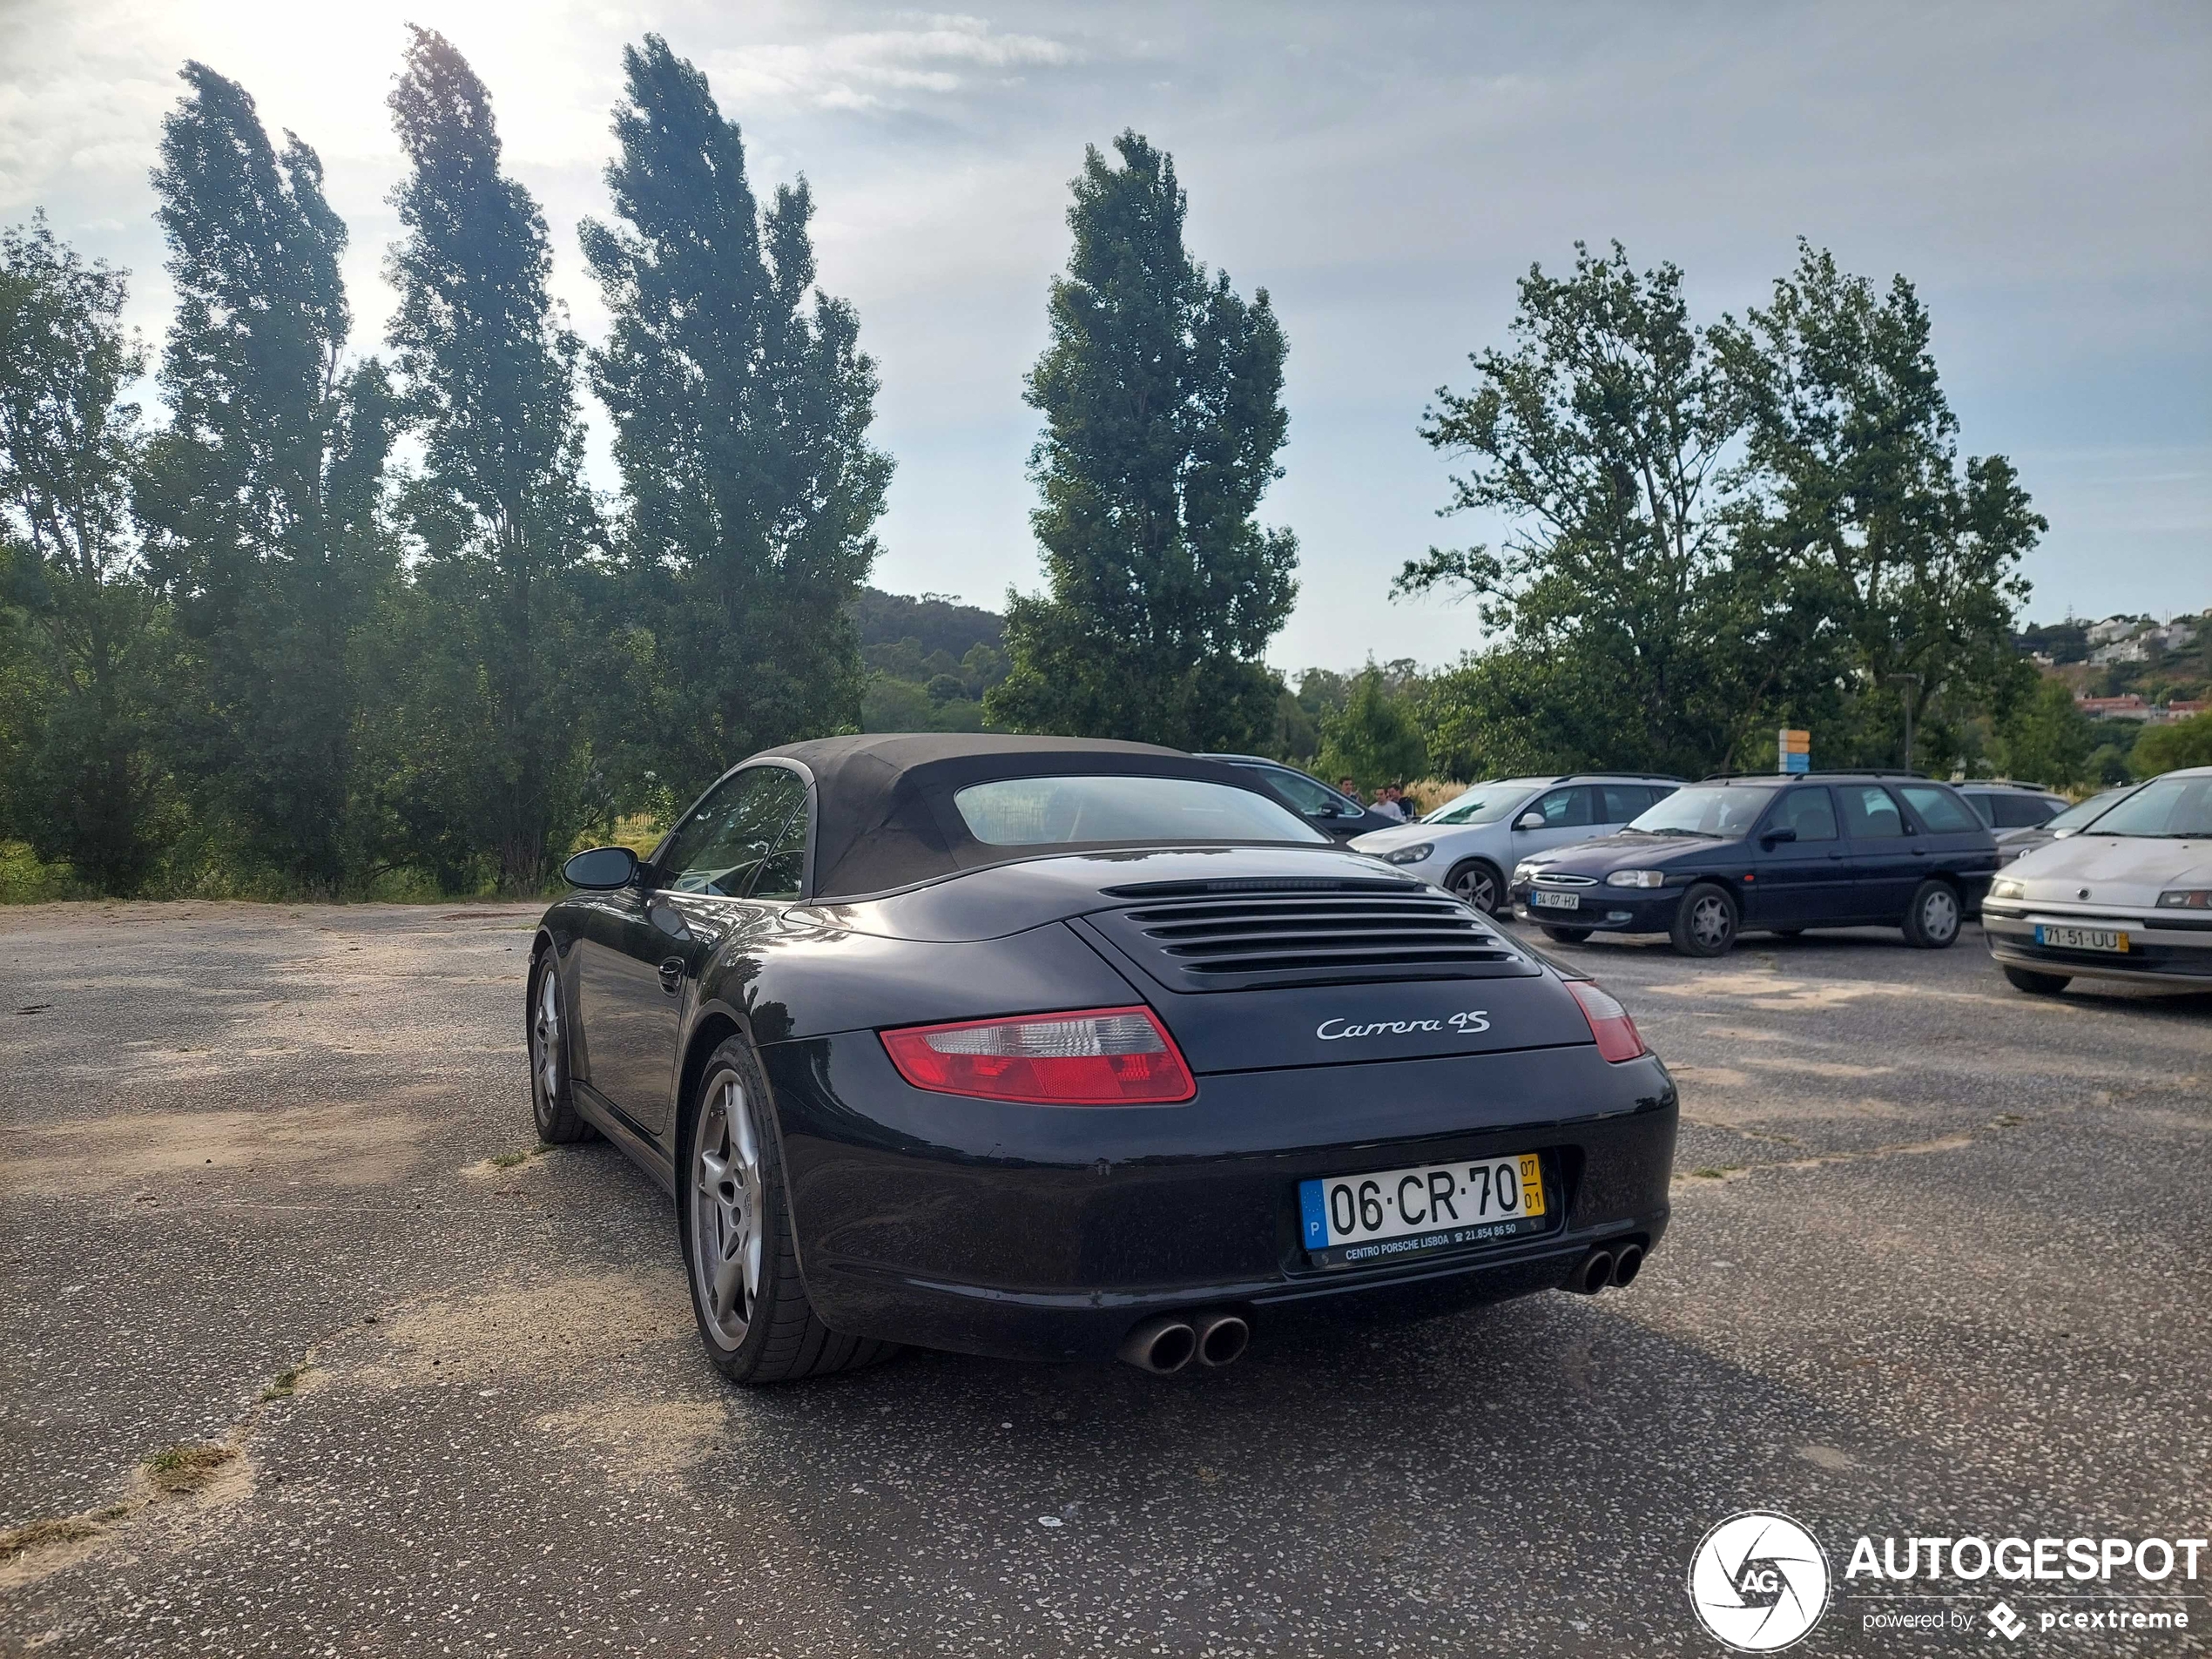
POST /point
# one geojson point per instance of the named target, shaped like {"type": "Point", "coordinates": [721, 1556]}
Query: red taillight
{"type": "Point", "coordinates": [1096, 1057]}
{"type": "Point", "coordinates": [1609, 1022]}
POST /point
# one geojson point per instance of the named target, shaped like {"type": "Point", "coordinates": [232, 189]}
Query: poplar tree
{"type": "Point", "coordinates": [80, 636]}
{"type": "Point", "coordinates": [1162, 394]}
{"type": "Point", "coordinates": [741, 403]}
{"type": "Point", "coordinates": [494, 763]}
{"type": "Point", "coordinates": [262, 496]}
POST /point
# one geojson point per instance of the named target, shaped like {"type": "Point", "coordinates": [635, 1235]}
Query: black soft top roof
{"type": "Point", "coordinates": [883, 816]}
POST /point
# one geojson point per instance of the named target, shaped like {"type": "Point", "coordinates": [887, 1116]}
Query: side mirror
{"type": "Point", "coordinates": [602, 869]}
{"type": "Point", "coordinates": [1776, 836]}
{"type": "Point", "coordinates": [1529, 821]}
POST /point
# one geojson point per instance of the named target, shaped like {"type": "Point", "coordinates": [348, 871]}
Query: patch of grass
{"type": "Point", "coordinates": [33, 1534]}
{"type": "Point", "coordinates": [284, 1385]}
{"type": "Point", "coordinates": [2006, 1120]}
{"type": "Point", "coordinates": [508, 1160]}
{"type": "Point", "coordinates": [186, 1467]}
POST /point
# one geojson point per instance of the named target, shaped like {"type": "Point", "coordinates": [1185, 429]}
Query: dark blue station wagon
{"type": "Point", "coordinates": [1774, 853]}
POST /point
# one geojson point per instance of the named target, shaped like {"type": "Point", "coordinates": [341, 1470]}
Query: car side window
{"type": "Point", "coordinates": [719, 847]}
{"type": "Point", "coordinates": [784, 871]}
{"type": "Point", "coordinates": [1625, 801]}
{"type": "Point", "coordinates": [1992, 811]}
{"type": "Point", "coordinates": [2022, 812]}
{"type": "Point", "coordinates": [1870, 814]}
{"type": "Point", "coordinates": [1301, 791]}
{"type": "Point", "coordinates": [1939, 809]}
{"type": "Point", "coordinates": [1810, 812]}
{"type": "Point", "coordinates": [1564, 808]}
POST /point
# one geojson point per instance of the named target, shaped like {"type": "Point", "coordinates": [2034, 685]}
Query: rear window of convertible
{"type": "Point", "coordinates": [1036, 811]}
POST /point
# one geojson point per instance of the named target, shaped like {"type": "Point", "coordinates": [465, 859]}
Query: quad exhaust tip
{"type": "Point", "coordinates": [1167, 1343]}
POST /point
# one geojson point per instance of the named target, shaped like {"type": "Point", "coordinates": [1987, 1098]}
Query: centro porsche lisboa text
{"type": "Point", "coordinates": [1466, 1024]}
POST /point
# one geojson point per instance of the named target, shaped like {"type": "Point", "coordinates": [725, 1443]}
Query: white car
{"type": "Point", "coordinates": [2128, 897]}
{"type": "Point", "coordinates": [1470, 846]}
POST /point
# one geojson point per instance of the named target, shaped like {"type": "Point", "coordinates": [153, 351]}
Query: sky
{"type": "Point", "coordinates": [2042, 173]}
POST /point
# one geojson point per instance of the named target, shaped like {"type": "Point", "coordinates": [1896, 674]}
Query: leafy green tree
{"type": "Point", "coordinates": [1162, 394]}
{"type": "Point", "coordinates": [1856, 500]}
{"type": "Point", "coordinates": [2165, 748]}
{"type": "Point", "coordinates": [263, 496]}
{"type": "Point", "coordinates": [1633, 638]}
{"type": "Point", "coordinates": [81, 778]}
{"type": "Point", "coordinates": [499, 766]}
{"type": "Point", "coordinates": [2044, 739]}
{"type": "Point", "coordinates": [1373, 739]}
{"type": "Point", "coordinates": [741, 403]}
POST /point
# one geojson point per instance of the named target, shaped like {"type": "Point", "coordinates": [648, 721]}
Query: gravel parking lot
{"type": "Point", "coordinates": [1938, 1266]}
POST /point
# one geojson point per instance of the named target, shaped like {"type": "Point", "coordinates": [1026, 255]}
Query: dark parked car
{"type": "Point", "coordinates": [2010, 808]}
{"type": "Point", "coordinates": [1057, 1050]}
{"type": "Point", "coordinates": [1332, 811]}
{"type": "Point", "coordinates": [1825, 849]}
{"type": "Point", "coordinates": [2014, 844]}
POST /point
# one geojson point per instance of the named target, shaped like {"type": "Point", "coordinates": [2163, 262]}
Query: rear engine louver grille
{"type": "Point", "coordinates": [1246, 939]}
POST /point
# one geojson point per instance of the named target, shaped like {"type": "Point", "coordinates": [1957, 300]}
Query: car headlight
{"type": "Point", "coordinates": [1412, 855]}
{"type": "Point", "coordinates": [2006, 888]}
{"type": "Point", "coordinates": [2186, 898]}
{"type": "Point", "coordinates": [1524, 874]}
{"type": "Point", "coordinates": [1636, 879]}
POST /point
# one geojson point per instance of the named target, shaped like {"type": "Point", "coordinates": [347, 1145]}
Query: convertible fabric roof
{"type": "Point", "coordinates": [883, 816]}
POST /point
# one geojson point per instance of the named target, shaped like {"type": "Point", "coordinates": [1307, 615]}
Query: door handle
{"type": "Point", "coordinates": [671, 975]}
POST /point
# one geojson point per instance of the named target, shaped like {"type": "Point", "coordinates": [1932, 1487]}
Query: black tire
{"type": "Point", "coordinates": [552, 1096]}
{"type": "Point", "coordinates": [1479, 882]}
{"type": "Point", "coordinates": [1705, 921]}
{"type": "Point", "coordinates": [1934, 917]}
{"type": "Point", "coordinates": [1565, 935]}
{"type": "Point", "coordinates": [781, 1338]}
{"type": "Point", "coordinates": [2035, 984]}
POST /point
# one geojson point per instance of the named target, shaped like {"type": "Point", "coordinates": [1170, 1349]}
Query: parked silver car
{"type": "Point", "coordinates": [2130, 897]}
{"type": "Point", "coordinates": [1470, 846]}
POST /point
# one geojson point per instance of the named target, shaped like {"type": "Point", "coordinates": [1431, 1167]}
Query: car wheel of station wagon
{"type": "Point", "coordinates": [734, 1223]}
{"type": "Point", "coordinates": [552, 1102]}
{"type": "Point", "coordinates": [1931, 920]}
{"type": "Point", "coordinates": [2035, 984]}
{"type": "Point", "coordinates": [1565, 935]}
{"type": "Point", "coordinates": [1479, 883]}
{"type": "Point", "coordinates": [1705, 923]}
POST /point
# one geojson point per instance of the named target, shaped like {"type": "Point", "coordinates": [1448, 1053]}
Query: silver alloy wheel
{"type": "Point", "coordinates": [545, 1040]}
{"type": "Point", "coordinates": [1477, 886]}
{"type": "Point", "coordinates": [727, 1212]}
{"type": "Point", "coordinates": [1708, 923]}
{"type": "Point", "coordinates": [1940, 915]}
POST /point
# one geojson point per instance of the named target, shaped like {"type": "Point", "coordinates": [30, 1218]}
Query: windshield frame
{"type": "Point", "coordinates": [2162, 796]}
{"type": "Point", "coordinates": [1759, 797]}
{"type": "Point", "coordinates": [1517, 790]}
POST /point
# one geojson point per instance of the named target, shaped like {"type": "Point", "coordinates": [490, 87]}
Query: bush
{"type": "Point", "coordinates": [2168, 748]}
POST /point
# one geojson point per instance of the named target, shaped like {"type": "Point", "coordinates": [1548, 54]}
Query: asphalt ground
{"type": "Point", "coordinates": [1939, 1266]}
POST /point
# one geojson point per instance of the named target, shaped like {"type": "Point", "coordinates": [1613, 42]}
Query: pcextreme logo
{"type": "Point", "coordinates": [1758, 1581]}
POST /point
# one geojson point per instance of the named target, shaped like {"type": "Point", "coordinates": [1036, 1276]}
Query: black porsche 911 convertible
{"type": "Point", "coordinates": [1049, 1049]}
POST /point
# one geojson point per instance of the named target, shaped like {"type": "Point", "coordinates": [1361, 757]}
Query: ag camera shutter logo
{"type": "Point", "coordinates": [1758, 1581]}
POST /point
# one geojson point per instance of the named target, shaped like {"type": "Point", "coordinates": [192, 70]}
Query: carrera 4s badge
{"type": "Point", "coordinates": [1466, 1024]}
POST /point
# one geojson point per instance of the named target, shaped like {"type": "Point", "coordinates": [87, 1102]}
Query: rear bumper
{"type": "Point", "coordinates": [1031, 1232]}
{"type": "Point", "coordinates": [2159, 952]}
